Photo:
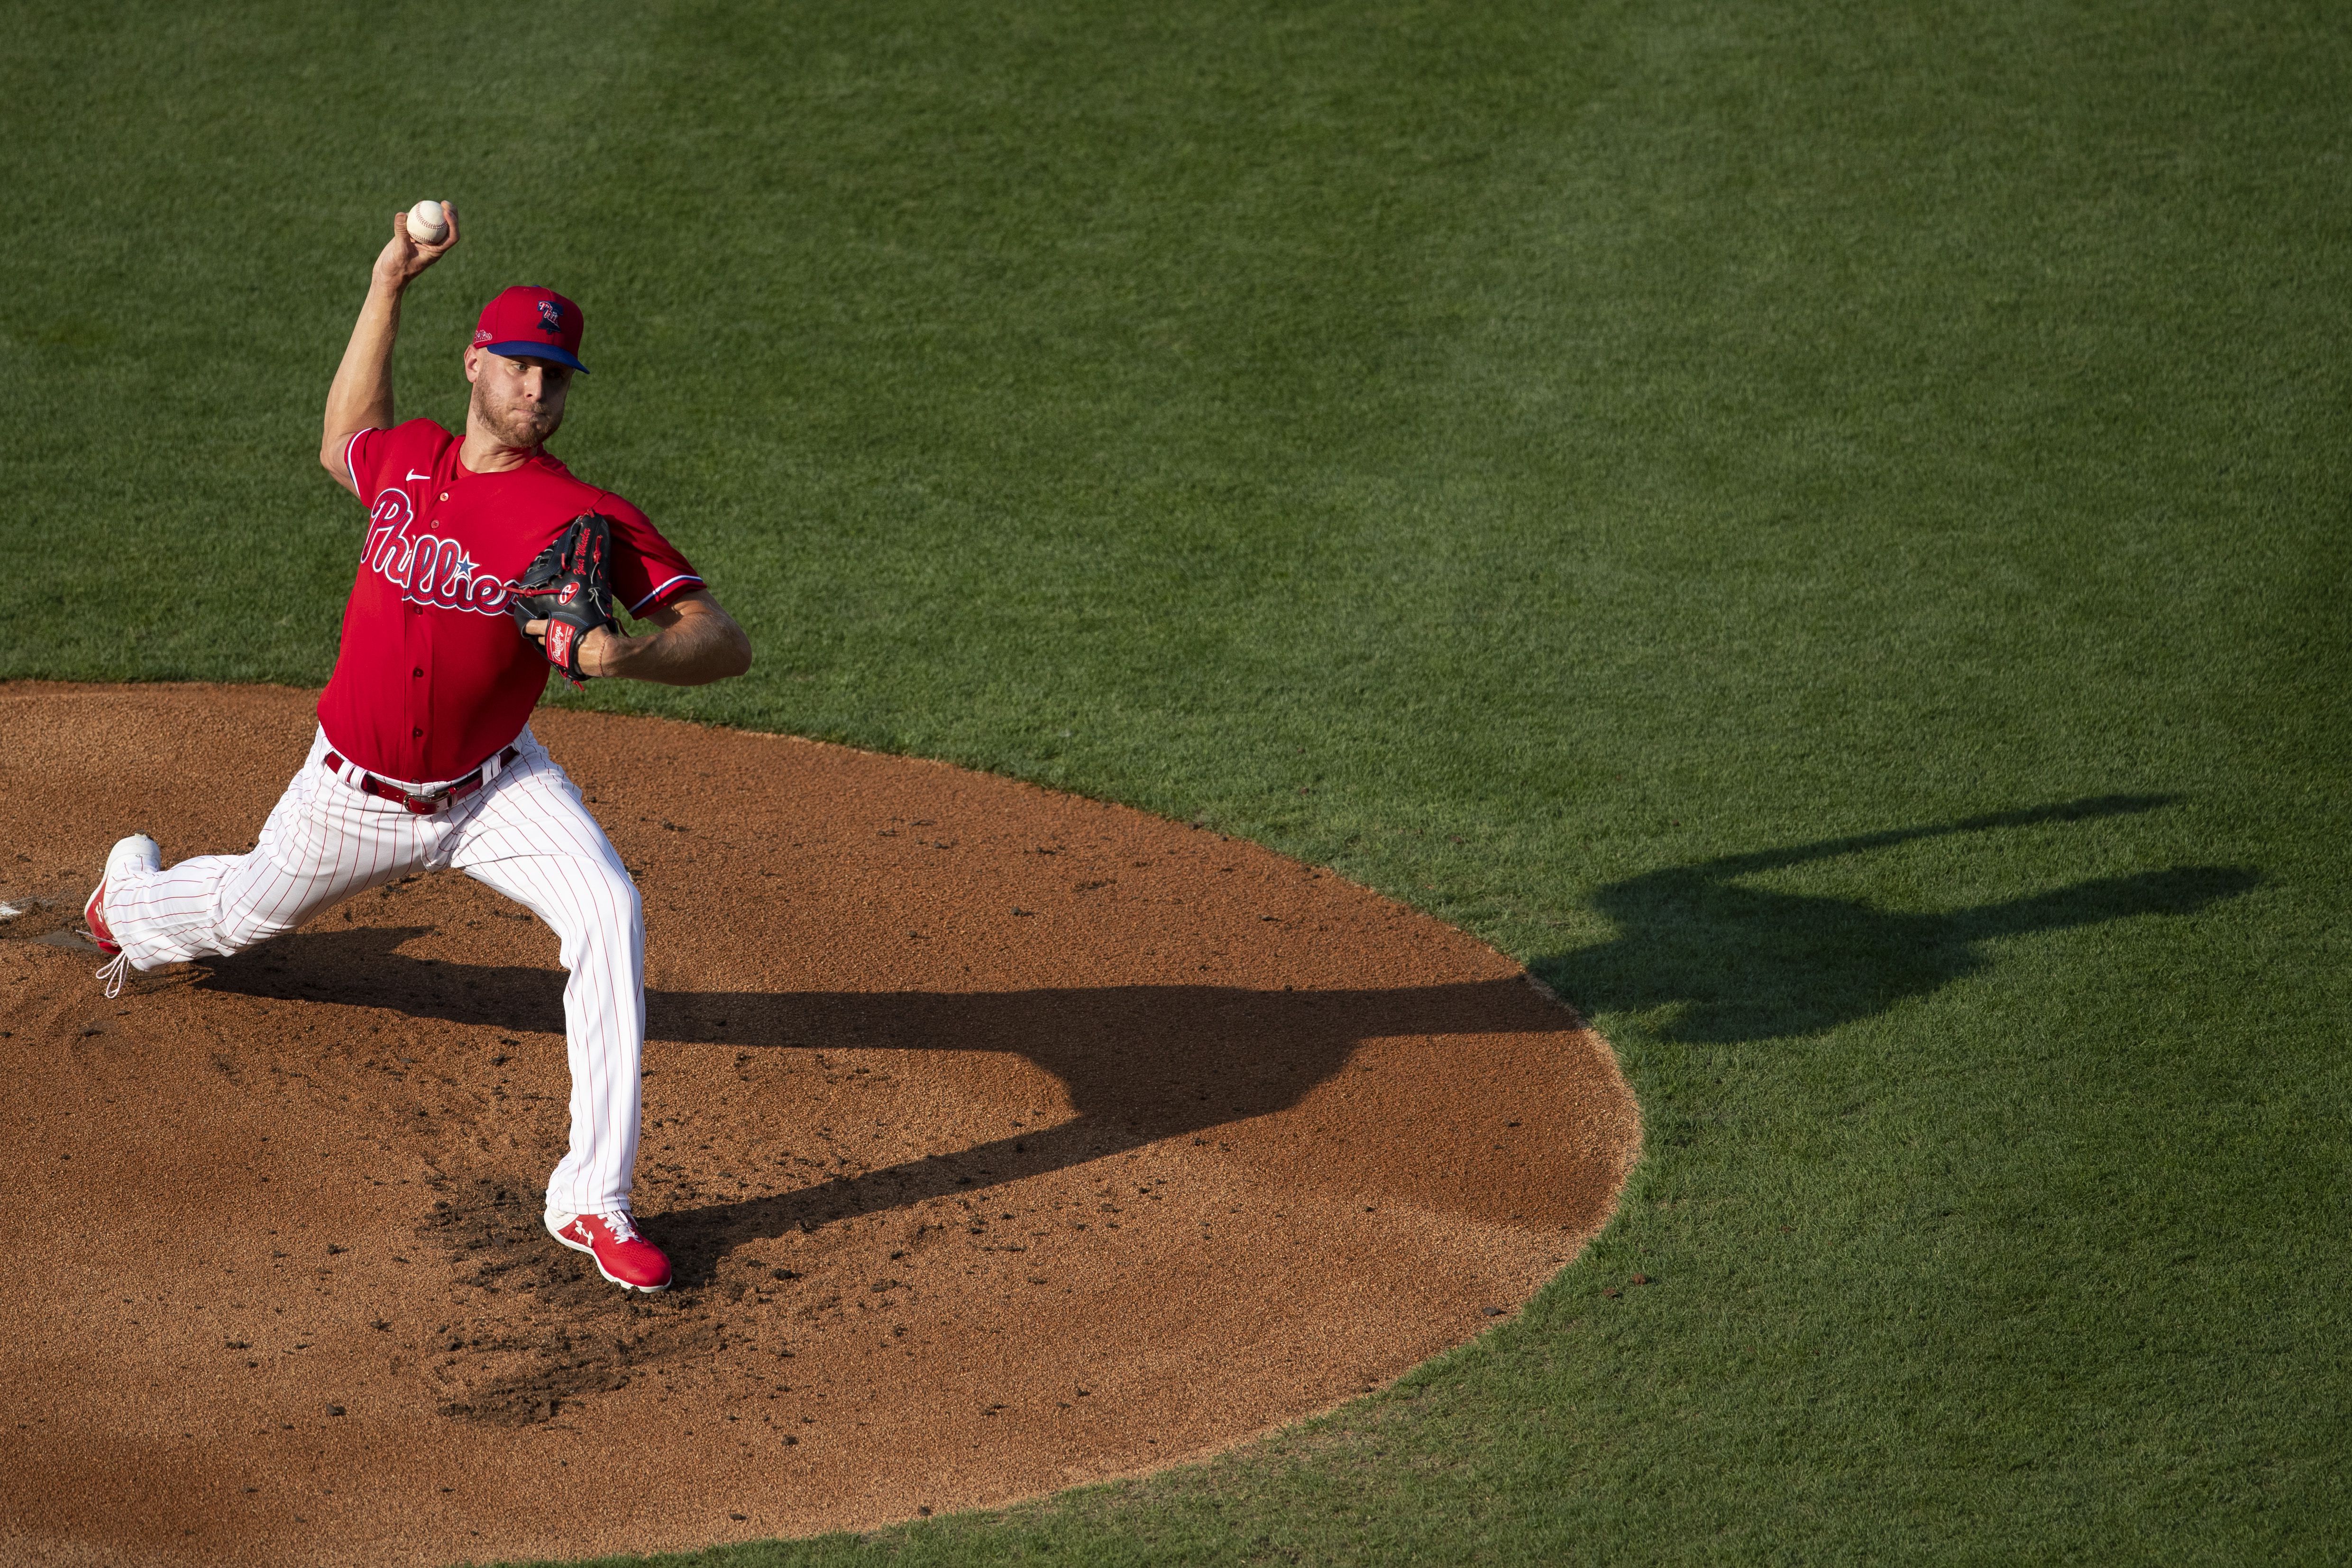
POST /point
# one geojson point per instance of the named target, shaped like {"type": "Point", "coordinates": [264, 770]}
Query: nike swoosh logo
{"type": "Point", "coordinates": [415, 475]}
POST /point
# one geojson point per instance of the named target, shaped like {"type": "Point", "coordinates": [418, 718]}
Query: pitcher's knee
{"type": "Point", "coordinates": [610, 914]}
{"type": "Point", "coordinates": [629, 906]}
{"type": "Point", "coordinates": [244, 928]}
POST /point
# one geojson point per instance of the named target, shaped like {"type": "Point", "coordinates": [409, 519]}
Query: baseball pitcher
{"type": "Point", "coordinates": [485, 562]}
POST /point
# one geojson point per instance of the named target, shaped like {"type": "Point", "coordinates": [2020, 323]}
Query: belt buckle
{"type": "Point", "coordinates": [425, 805]}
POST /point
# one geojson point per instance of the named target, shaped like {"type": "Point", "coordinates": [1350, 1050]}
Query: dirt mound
{"type": "Point", "coordinates": [1002, 1140]}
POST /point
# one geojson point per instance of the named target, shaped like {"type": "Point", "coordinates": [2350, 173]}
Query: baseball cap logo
{"type": "Point", "coordinates": [551, 318]}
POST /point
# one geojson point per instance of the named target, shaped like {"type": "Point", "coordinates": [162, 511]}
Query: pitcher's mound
{"type": "Point", "coordinates": [1002, 1140]}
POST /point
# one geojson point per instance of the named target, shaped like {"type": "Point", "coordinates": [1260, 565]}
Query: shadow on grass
{"type": "Point", "coordinates": [1748, 963]}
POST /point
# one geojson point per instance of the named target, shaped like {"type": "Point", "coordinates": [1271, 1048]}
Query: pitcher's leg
{"type": "Point", "coordinates": [534, 839]}
{"type": "Point", "coordinates": [323, 842]}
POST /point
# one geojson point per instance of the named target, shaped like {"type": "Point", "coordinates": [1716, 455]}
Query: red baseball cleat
{"type": "Point", "coordinates": [622, 1255]}
{"type": "Point", "coordinates": [93, 915]}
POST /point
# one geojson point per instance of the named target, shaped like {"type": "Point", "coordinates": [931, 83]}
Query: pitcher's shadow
{"type": "Point", "coordinates": [1748, 963]}
{"type": "Point", "coordinates": [1144, 1063]}
{"type": "Point", "coordinates": [1139, 1064]}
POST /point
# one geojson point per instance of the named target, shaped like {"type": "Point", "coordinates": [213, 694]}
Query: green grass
{"type": "Point", "coordinates": [1820, 527]}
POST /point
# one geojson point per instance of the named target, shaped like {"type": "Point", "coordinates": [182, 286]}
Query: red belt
{"type": "Point", "coordinates": [425, 805]}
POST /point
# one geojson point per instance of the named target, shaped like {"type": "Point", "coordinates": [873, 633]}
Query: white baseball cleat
{"type": "Point", "coordinates": [136, 850]}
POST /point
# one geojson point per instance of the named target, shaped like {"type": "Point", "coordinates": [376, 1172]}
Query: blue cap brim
{"type": "Point", "coordinates": [536, 351]}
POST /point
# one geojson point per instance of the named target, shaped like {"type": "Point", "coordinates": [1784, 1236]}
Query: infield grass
{"type": "Point", "coordinates": [1820, 527]}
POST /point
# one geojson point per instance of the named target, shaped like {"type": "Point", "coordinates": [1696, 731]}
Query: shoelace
{"type": "Point", "coordinates": [618, 1224]}
{"type": "Point", "coordinates": [114, 970]}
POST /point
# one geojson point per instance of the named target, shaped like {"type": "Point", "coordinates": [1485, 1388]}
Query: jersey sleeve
{"type": "Point", "coordinates": [367, 454]}
{"type": "Point", "coordinates": [362, 456]}
{"type": "Point", "coordinates": [647, 569]}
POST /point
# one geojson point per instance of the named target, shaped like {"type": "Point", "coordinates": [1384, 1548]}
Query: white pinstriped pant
{"type": "Point", "coordinates": [526, 833]}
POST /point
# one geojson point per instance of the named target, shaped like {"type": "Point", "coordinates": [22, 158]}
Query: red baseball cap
{"type": "Point", "coordinates": [535, 323]}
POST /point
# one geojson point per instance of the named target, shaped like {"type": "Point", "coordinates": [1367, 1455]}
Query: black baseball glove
{"type": "Point", "coordinates": [567, 588]}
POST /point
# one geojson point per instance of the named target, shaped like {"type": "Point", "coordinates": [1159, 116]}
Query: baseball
{"type": "Point", "coordinates": [425, 224]}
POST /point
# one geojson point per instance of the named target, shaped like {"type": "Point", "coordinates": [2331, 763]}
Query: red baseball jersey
{"type": "Point", "coordinates": [434, 676]}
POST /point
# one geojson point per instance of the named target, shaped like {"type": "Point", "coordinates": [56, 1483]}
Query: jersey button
{"type": "Point", "coordinates": [416, 734]}
{"type": "Point", "coordinates": [420, 675]}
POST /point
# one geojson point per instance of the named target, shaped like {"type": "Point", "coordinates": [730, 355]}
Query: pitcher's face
{"type": "Point", "coordinates": [518, 401]}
